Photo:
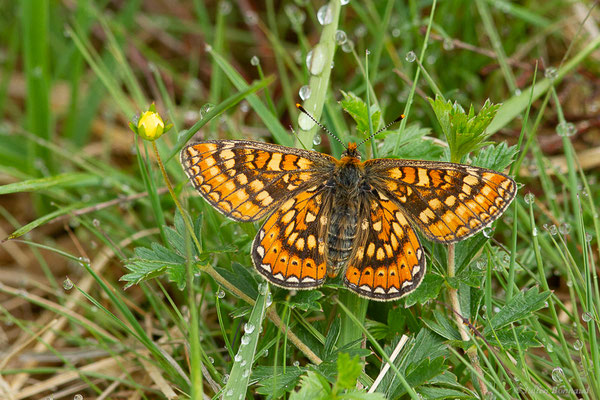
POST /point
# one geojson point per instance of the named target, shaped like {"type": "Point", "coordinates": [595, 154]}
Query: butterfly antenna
{"type": "Point", "coordinates": [302, 110]}
{"type": "Point", "coordinates": [400, 118]}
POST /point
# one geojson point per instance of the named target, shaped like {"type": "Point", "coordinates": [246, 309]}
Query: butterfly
{"type": "Point", "coordinates": [324, 216]}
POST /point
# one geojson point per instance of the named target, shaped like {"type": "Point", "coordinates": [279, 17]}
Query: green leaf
{"type": "Point", "coordinates": [332, 337]}
{"type": "Point", "coordinates": [276, 385]}
{"type": "Point", "coordinates": [357, 109]}
{"type": "Point", "coordinates": [70, 179]}
{"type": "Point", "coordinates": [413, 144]}
{"type": "Point", "coordinates": [464, 132]}
{"type": "Point", "coordinates": [426, 370]}
{"type": "Point", "coordinates": [312, 386]}
{"type": "Point", "coordinates": [348, 371]}
{"type": "Point", "coordinates": [307, 300]}
{"type": "Point", "coordinates": [495, 156]}
{"type": "Point", "coordinates": [241, 278]}
{"type": "Point", "coordinates": [237, 384]}
{"type": "Point", "coordinates": [442, 326]}
{"type": "Point", "coordinates": [513, 338]}
{"type": "Point", "coordinates": [440, 393]}
{"type": "Point", "coordinates": [43, 219]}
{"type": "Point", "coordinates": [427, 290]}
{"type": "Point", "coordinates": [519, 307]}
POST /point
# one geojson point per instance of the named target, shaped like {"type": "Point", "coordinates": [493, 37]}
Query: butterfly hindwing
{"type": "Point", "coordinates": [288, 249]}
{"type": "Point", "coordinates": [448, 202]}
{"type": "Point", "coordinates": [388, 261]}
{"type": "Point", "coordinates": [246, 180]}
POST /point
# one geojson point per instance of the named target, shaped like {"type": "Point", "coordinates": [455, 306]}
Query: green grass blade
{"type": "Point", "coordinates": [69, 179]}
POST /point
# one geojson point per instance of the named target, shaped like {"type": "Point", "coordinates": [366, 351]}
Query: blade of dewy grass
{"type": "Point", "coordinates": [237, 384]}
{"type": "Point", "coordinates": [69, 179]}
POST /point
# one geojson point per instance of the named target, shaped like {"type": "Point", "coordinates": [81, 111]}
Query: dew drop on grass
{"type": "Point", "coordinates": [315, 60]}
{"type": "Point", "coordinates": [263, 288]}
{"type": "Point", "coordinates": [225, 7]}
{"type": "Point", "coordinates": [296, 363]}
{"type": "Point", "coordinates": [96, 222]}
{"type": "Point", "coordinates": [360, 31]}
{"type": "Point", "coordinates": [344, 2]}
{"type": "Point", "coordinates": [237, 358]}
{"type": "Point", "coordinates": [578, 345]}
{"type": "Point", "coordinates": [250, 17]}
{"type": "Point", "coordinates": [564, 228]}
{"type": "Point", "coordinates": [588, 237]}
{"type": "Point", "coordinates": [448, 44]}
{"type": "Point", "coordinates": [304, 122]}
{"type": "Point", "coordinates": [211, 360]}
{"type": "Point", "coordinates": [78, 397]}
{"type": "Point", "coordinates": [529, 198]}
{"type": "Point", "coordinates": [249, 328]}
{"type": "Point", "coordinates": [205, 109]}
{"type": "Point", "coordinates": [340, 37]}
{"type": "Point", "coordinates": [221, 294]}
{"type": "Point", "coordinates": [569, 283]}
{"type": "Point", "coordinates": [225, 379]}
{"type": "Point", "coordinates": [347, 46]}
{"type": "Point", "coordinates": [586, 316]}
{"type": "Point", "coordinates": [325, 15]}
{"type": "Point", "coordinates": [229, 393]}
{"type": "Point", "coordinates": [67, 284]}
{"type": "Point", "coordinates": [566, 129]}
{"type": "Point", "coordinates": [295, 15]}
{"type": "Point", "coordinates": [517, 92]}
{"type": "Point", "coordinates": [534, 231]}
{"type": "Point", "coordinates": [488, 232]}
{"type": "Point", "coordinates": [317, 140]}
{"type": "Point", "coordinates": [266, 353]}
{"type": "Point", "coordinates": [246, 373]}
{"type": "Point", "coordinates": [551, 73]}
{"type": "Point", "coordinates": [410, 56]}
{"type": "Point", "coordinates": [304, 92]}
{"type": "Point", "coordinates": [243, 363]}
{"type": "Point", "coordinates": [245, 340]}
{"type": "Point", "coordinates": [396, 32]}
{"type": "Point", "coordinates": [255, 60]}
{"type": "Point", "coordinates": [558, 374]}
{"type": "Point", "coordinates": [269, 300]}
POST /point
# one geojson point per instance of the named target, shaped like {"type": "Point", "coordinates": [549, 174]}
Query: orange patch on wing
{"type": "Point", "coordinates": [380, 278]}
{"type": "Point", "coordinates": [366, 278]}
{"type": "Point", "coordinates": [353, 275]}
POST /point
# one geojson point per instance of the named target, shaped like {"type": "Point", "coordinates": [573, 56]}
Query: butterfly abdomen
{"type": "Point", "coordinates": [340, 238]}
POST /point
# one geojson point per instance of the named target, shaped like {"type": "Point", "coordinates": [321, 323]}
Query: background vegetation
{"type": "Point", "coordinates": [103, 293]}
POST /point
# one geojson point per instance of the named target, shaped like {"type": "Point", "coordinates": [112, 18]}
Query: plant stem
{"type": "Point", "coordinates": [455, 304]}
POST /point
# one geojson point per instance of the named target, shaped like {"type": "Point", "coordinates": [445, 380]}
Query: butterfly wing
{"type": "Point", "coordinates": [448, 202]}
{"type": "Point", "coordinates": [388, 261]}
{"type": "Point", "coordinates": [246, 180]}
{"type": "Point", "coordinates": [288, 249]}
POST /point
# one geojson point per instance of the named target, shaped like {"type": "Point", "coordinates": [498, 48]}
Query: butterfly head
{"type": "Point", "coordinates": [352, 152]}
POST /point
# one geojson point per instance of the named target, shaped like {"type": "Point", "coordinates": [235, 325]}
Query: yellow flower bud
{"type": "Point", "coordinates": [150, 126]}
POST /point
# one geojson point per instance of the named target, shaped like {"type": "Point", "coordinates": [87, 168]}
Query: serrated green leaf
{"type": "Point", "coordinates": [496, 157]}
{"type": "Point", "coordinates": [440, 393]}
{"type": "Point", "coordinates": [524, 339]}
{"type": "Point", "coordinates": [519, 307]}
{"type": "Point", "coordinates": [307, 300]}
{"type": "Point", "coordinates": [241, 278]}
{"type": "Point", "coordinates": [178, 275]}
{"type": "Point", "coordinates": [442, 326]}
{"type": "Point", "coordinates": [427, 290]}
{"type": "Point", "coordinates": [312, 386]}
{"type": "Point", "coordinates": [332, 336]}
{"type": "Point", "coordinates": [357, 109]}
{"type": "Point", "coordinates": [175, 239]}
{"type": "Point", "coordinates": [348, 371]}
{"type": "Point", "coordinates": [276, 385]}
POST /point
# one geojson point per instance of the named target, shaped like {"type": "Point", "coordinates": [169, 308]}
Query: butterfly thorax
{"type": "Point", "coordinates": [347, 187]}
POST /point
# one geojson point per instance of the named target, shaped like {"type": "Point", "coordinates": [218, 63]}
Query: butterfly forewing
{"type": "Point", "coordinates": [448, 202]}
{"type": "Point", "coordinates": [246, 180]}
{"type": "Point", "coordinates": [388, 261]}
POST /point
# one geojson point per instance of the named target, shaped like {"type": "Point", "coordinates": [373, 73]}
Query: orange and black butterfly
{"type": "Point", "coordinates": [325, 216]}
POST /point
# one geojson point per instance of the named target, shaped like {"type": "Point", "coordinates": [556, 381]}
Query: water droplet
{"type": "Point", "coordinates": [529, 198]}
{"type": "Point", "coordinates": [448, 44]}
{"type": "Point", "coordinates": [245, 340]}
{"type": "Point", "coordinates": [254, 61]}
{"type": "Point", "coordinates": [317, 140]}
{"type": "Point", "coordinates": [564, 228]}
{"type": "Point", "coordinates": [344, 2]}
{"type": "Point", "coordinates": [586, 316]}
{"type": "Point", "coordinates": [246, 373]}
{"type": "Point", "coordinates": [315, 60]}
{"type": "Point", "coordinates": [360, 31]}
{"type": "Point", "coordinates": [578, 345]}
{"type": "Point", "coordinates": [496, 309]}
{"type": "Point", "coordinates": [266, 353]}
{"type": "Point", "coordinates": [221, 293]}
{"type": "Point", "coordinates": [225, 378]}
{"type": "Point", "coordinates": [205, 109]}
{"type": "Point", "coordinates": [396, 32]}
{"type": "Point", "coordinates": [325, 15]}
{"type": "Point", "coordinates": [207, 48]}
{"type": "Point", "coordinates": [295, 15]}
{"type": "Point", "coordinates": [347, 46]}
{"type": "Point", "coordinates": [557, 374]}
{"type": "Point", "coordinates": [304, 92]}
{"type": "Point", "coordinates": [332, 64]}
{"type": "Point", "coordinates": [566, 129]}
{"type": "Point", "coordinates": [569, 283]}
{"type": "Point", "coordinates": [211, 360]}
{"type": "Point", "coordinates": [553, 230]}
{"type": "Point", "coordinates": [269, 300]}
{"type": "Point", "coordinates": [229, 393]}
{"type": "Point", "coordinates": [67, 284]}
{"type": "Point", "coordinates": [78, 397]}
{"type": "Point", "coordinates": [588, 237]}
{"type": "Point", "coordinates": [251, 18]}
{"type": "Point", "coordinates": [340, 37]}
{"type": "Point", "coordinates": [534, 231]}
{"type": "Point", "coordinates": [263, 288]}
{"type": "Point", "coordinates": [296, 363]}
{"type": "Point", "coordinates": [517, 92]}
{"type": "Point", "coordinates": [410, 56]}
{"type": "Point", "coordinates": [488, 232]}
{"type": "Point", "coordinates": [546, 305]}
{"type": "Point", "coordinates": [551, 73]}
{"type": "Point", "coordinates": [304, 122]}
{"type": "Point", "coordinates": [237, 358]}
{"type": "Point", "coordinates": [243, 363]}
{"type": "Point", "coordinates": [249, 328]}
{"type": "Point", "coordinates": [550, 348]}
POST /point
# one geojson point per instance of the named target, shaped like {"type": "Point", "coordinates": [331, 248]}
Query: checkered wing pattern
{"type": "Point", "coordinates": [246, 180]}
{"type": "Point", "coordinates": [448, 202]}
{"type": "Point", "coordinates": [289, 249]}
{"type": "Point", "coordinates": [388, 261]}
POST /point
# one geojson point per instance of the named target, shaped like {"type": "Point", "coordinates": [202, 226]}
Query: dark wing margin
{"type": "Point", "coordinates": [448, 202]}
